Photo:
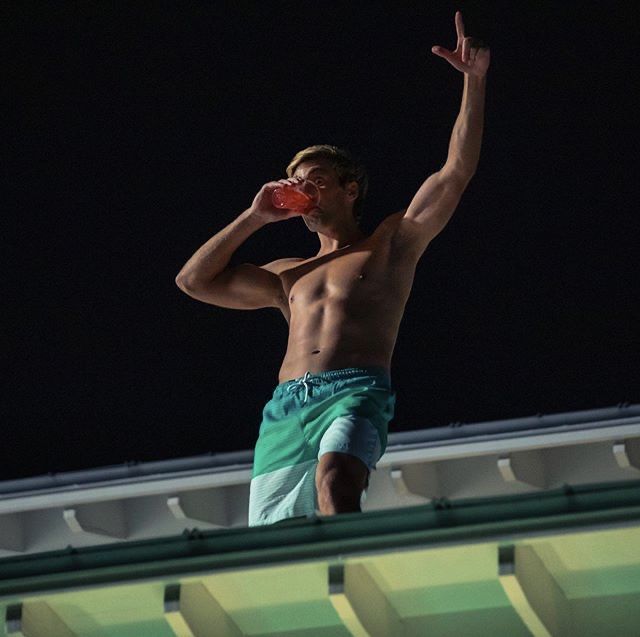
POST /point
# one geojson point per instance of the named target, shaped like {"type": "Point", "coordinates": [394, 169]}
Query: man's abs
{"type": "Point", "coordinates": [323, 344]}
{"type": "Point", "coordinates": [344, 311]}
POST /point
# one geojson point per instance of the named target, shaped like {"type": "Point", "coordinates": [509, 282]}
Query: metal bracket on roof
{"type": "Point", "coordinates": [359, 602]}
{"type": "Point", "coordinates": [627, 453]}
{"type": "Point", "coordinates": [525, 467]}
{"type": "Point", "coordinates": [205, 505]}
{"type": "Point", "coordinates": [532, 591]}
{"type": "Point", "coordinates": [34, 619]}
{"type": "Point", "coordinates": [192, 611]}
{"type": "Point", "coordinates": [419, 479]}
{"type": "Point", "coordinates": [100, 518]}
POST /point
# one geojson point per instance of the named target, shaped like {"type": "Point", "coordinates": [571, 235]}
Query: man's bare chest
{"type": "Point", "coordinates": [342, 275]}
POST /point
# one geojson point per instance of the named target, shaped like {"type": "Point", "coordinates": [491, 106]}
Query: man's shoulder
{"type": "Point", "coordinates": [389, 224]}
{"type": "Point", "coordinates": [279, 265]}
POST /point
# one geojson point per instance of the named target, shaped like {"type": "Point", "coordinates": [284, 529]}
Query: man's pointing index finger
{"type": "Point", "coordinates": [459, 25]}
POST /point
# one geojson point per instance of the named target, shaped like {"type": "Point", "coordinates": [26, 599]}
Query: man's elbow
{"type": "Point", "coordinates": [183, 283]}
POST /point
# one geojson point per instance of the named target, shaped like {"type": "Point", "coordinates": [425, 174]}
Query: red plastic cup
{"type": "Point", "coordinates": [302, 196]}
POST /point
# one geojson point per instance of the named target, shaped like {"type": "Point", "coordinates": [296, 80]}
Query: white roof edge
{"type": "Point", "coordinates": [226, 468]}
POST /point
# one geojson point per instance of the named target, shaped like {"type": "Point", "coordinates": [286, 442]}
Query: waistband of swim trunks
{"type": "Point", "coordinates": [341, 374]}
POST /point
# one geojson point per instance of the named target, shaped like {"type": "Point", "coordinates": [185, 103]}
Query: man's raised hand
{"type": "Point", "coordinates": [470, 56]}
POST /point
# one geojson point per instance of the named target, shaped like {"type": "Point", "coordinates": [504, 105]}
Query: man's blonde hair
{"type": "Point", "coordinates": [347, 168]}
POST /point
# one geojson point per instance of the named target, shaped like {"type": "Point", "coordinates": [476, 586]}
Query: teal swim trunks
{"type": "Point", "coordinates": [345, 410]}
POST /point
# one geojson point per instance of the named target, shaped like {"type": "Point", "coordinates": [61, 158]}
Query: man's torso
{"type": "Point", "coordinates": [344, 308]}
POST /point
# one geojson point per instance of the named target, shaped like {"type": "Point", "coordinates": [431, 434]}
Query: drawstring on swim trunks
{"type": "Point", "coordinates": [305, 381]}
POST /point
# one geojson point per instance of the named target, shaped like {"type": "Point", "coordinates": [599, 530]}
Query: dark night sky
{"type": "Point", "coordinates": [136, 133]}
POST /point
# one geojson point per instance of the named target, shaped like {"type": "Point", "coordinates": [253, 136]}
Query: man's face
{"type": "Point", "coordinates": [334, 201]}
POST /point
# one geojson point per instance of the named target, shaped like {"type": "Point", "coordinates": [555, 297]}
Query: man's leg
{"type": "Point", "coordinates": [340, 480]}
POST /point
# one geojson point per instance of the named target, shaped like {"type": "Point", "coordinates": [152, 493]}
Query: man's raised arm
{"type": "Point", "coordinates": [437, 198]}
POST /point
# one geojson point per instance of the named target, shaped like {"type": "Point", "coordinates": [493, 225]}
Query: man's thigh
{"type": "Point", "coordinates": [350, 447]}
{"type": "Point", "coordinates": [351, 473]}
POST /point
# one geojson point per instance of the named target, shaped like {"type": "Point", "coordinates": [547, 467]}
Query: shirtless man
{"type": "Point", "coordinates": [326, 424]}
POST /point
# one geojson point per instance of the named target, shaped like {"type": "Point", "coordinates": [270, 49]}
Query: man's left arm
{"type": "Point", "coordinates": [437, 198]}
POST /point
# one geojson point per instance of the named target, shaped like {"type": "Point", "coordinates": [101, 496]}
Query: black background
{"type": "Point", "coordinates": [136, 133]}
